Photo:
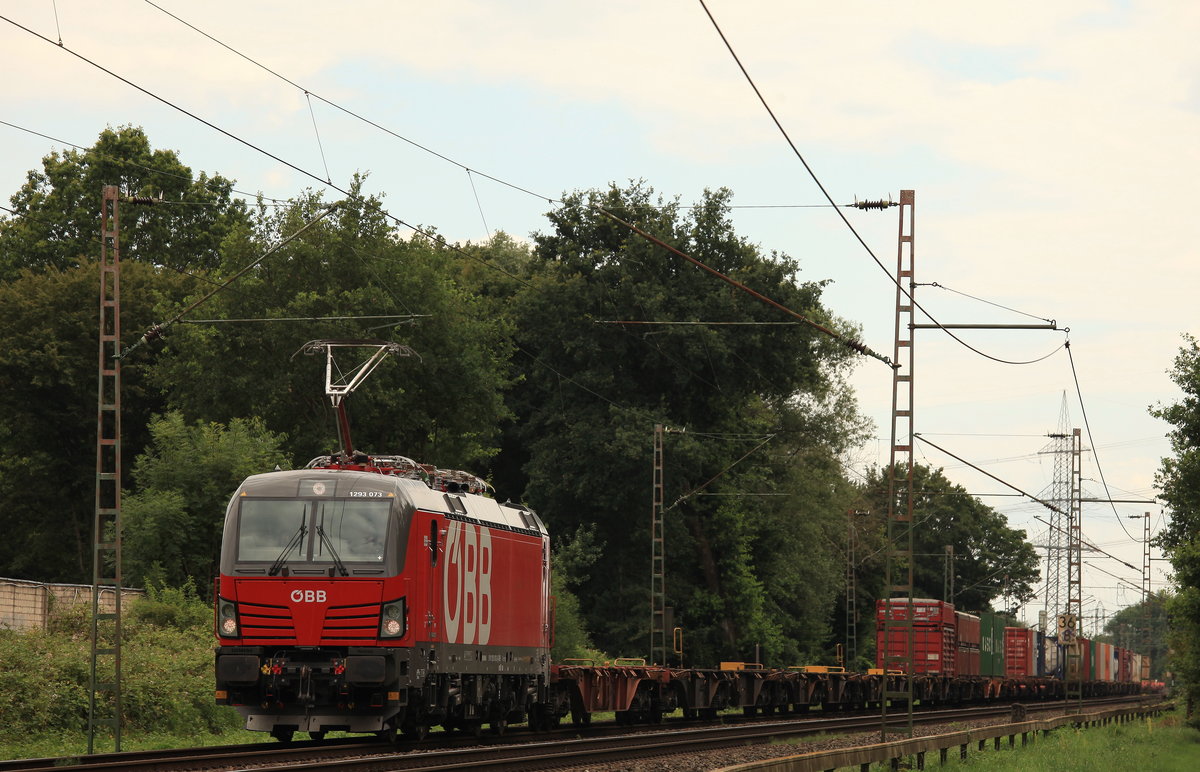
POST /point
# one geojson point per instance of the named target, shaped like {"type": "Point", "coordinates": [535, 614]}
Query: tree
{"type": "Point", "coordinates": [173, 523]}
{"type": "Point", "coordinates": [1178, 479]}
{"type": "Point", "coordinates": [1142, 627]}
{"type": "Point", "coordinates": [48, 384]}
{"type": "Point", "coordinates": [991, 560]}
{"type": "Point", "coordinates": [441, 406]}
{"type": "Point", "coordinates": [57, 210]}
{"type": "Point", "coordinates": [592, 387]}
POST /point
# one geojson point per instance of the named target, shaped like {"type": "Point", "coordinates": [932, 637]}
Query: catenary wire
{"type": "Point", "coordinates": [1091, 440]}
{"type": "Point", "coordinates": [347, 111]}
{"type": "Point", "coordinates": [845, 220]}
{"type": "Point", "coordinates": [115, 159]}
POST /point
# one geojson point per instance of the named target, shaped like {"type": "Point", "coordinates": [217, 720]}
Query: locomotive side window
{"type": "Point", "coordinates": [433, 545]}
{"type": "Point", "coordinates": [355, 530]}
{"type": "Point", "coordinates": [267, 526]}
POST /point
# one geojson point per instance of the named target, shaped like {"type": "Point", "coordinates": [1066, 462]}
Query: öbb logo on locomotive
{"type": "Point", "coordinates": [467, 584]}
{"type": "Point", "coordinates": [308, 596]}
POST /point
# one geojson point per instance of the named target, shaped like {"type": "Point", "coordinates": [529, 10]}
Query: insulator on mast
{"type": "Point", "coordinates": [877, 204]}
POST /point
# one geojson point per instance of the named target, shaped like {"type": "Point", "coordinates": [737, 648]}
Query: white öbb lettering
{"type": "Point", "coordinates": [308, 596]}
{"type": "Point", "coordinates": [467, 584]}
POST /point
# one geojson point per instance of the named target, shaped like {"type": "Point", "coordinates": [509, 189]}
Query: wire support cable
{"type": "Point", "coordinates": [435, 238]}
{"type": "Point", "coordinates": [305, 319]}
{"type": "Point", "coordinates": [858, 346]}
{"type": "Point", "coordinates": [1091, 441]}
{"type": "Point", "coordinates": [134, 164]}
{"type": "Point", "coordinates": [812, 174]}
{"type": "Point", "coordinates": [158, 330]}
{"type": "Point", "coordinates": [988, 302]}
{"type": "Point", "coordinates": [694, 491]}
{"type": "Point", "coordinates": [347, 111]}
{"type": "Point", "coordinates": [981, 470]}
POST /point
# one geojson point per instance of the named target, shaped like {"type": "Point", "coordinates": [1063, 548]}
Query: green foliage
{"type": "Point", "coordinates": [1161, 745]}
{"type": "Point", "coordinates": [57, 209]}
{"type": "Point", "coordinates": [48, 384]}
{"type": "Point", "coordinates": [442, 406]}
{"type": "Point", "coordinates": [591, 393]}
{"type": "Point", "coordinates": [1179, 480]}
{"type": "Point", "coordinates": [991, 560]}
{"type": "Point", "coordinates": [1143, 627]}
{"type": "Point", "coordinates": [173, 523]}
{"type": "Point", "coordinates": [166, 672]}
{"type": "Point", "coordinates": [175, 607]}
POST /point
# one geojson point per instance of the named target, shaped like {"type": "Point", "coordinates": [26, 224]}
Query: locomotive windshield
{"type": "Point", "coordinates": [291, 531]}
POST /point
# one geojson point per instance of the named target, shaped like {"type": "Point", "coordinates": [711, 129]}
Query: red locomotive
{"type": "Point", "coordinates": [370, 594]}
{"type": "Point", "coordinates": [358, 596]}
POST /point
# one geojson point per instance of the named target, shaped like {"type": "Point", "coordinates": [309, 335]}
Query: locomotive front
{"type": "Point", "coordinates": [364, 600]}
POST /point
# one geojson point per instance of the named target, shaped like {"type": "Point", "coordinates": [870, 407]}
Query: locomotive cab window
{"type": "Point", "coordinates": [355, 530]}
{"type": "Point", "coordinates": [314, 533]}
{"type": "Point", "coordinates": [268, 526]}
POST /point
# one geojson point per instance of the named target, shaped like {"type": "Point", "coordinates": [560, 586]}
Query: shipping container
{"type": "Point", "coordinates": [966, 653]}
{"type": "Point", "coordinates": [1104, 659]}
{"type": "Point", "coordinates": [1020, 652]}
{"type": "Point", "coordinates": [1052, 658]}
{"type": "Point", "coordinates": [991, 645]}
{"type": "Point", "coordinates": [1079, 660]}
{"type": "Point", "coordinates": [1145, 667]}
{"type": "Point", "coordinates": [1124, 665]}
{"type": "Point", "coordinates": [933, 635]}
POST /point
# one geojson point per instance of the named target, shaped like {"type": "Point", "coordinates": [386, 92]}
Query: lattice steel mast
{"type": "Point", "coordinates": [898, 574]}
{"type": "Point", "coordinates": [104, 701]}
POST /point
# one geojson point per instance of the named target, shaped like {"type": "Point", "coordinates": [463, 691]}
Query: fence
{"type": "Point", "coordinates": [960, 742]}
{"type": "Point", "coordinates": [26, 605]}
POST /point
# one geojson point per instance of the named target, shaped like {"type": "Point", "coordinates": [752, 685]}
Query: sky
{"type": "Point", "coordinates": [1051, 147]}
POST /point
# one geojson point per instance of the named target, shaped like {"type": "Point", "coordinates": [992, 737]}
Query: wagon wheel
{"type": "Point", "coordinates": [415, 731]}
{"type": "Point", "coordinates": [282, 735]}
{"type": "Point", "coordinates": [318, 736]}
{"type": "Point", "coordinates": [499, 725]}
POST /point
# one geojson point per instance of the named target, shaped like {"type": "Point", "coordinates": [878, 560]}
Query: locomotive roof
{"type": "Point", "coordinates": [344, 483]}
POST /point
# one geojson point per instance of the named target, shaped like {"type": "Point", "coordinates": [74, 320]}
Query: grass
{"type": "Point", "coordinates": [56, 745]}
{"type": "Point", "coordinates": [1155, 745]}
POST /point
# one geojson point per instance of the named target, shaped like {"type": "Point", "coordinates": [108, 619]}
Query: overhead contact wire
{"type": "Point", "coordinates": [347, 111]}
{"type": "Point", "coordinates": [431, 236]}
{"type": "Point", "coordinates": [1087, 425]}
{"type": "Point", "coordinates": [836, 208]}
{"type": "Point", "coordinates": [849, 342]}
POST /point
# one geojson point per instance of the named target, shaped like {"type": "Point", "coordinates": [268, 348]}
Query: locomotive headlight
{"type": "Point", "coordinates": [227, 624]}
{"type": "Point", "coordinates": [392, 622]}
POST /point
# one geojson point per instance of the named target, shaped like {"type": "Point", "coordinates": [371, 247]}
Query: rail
{"type": "Point", "coordinates": [894, 752]}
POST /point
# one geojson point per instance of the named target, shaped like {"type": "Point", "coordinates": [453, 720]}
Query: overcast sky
{"type": "Point", "coordinates": [1052, 148]}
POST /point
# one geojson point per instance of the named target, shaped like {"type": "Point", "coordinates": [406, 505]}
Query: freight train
{"type": "Point", "coordinates": [957, 655]}
{"type": "Point", "coordinates": [376, 594]}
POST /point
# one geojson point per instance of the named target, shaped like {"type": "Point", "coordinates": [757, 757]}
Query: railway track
{"type": "Point", "coordinates": [599, 744]}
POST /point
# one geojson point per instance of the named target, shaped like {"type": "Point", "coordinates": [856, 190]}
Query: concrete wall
{"type": "Point", "coordinates": [26, 605]}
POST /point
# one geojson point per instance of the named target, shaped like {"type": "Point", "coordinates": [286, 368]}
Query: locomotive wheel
{"type": "Point", "coordinates": [387, 735]}
{"type": "Point", "coordinates": [473, 727]}
{"type": "Point", "coordinates": [282, 735]}
{"type": "Point", "coordinates": [499, 725]}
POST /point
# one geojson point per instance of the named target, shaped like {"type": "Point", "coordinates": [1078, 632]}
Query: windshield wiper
{"type": "Point", "coordinates": [337, 561]}
{"type": "Point", "coordinates": [294, 542]}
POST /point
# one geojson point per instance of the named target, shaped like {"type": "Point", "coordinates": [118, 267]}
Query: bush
{"type": "Point", "coordinates": [166, 663]}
